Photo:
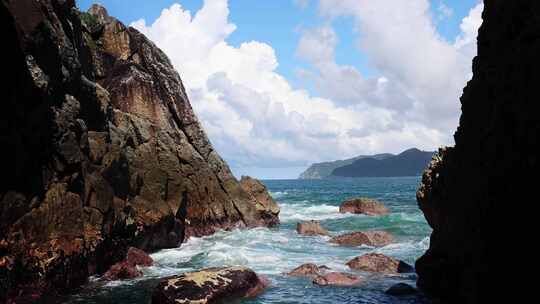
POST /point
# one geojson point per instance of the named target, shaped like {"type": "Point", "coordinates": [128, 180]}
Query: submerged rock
{"type": "Point", "coordinates": [311, 228]}
{"type": "Point", "coordinates": [127, 269]}
{"type": "Point", "coordinates": [337, 279]}
{"type": "Point", "coordinates": [363, 205]}
{"type": "Point", "coordinates": [369, 238]}
{"type": "Point", "coordinates": [401, 289]}
{"type": "Point", "coordinates": [212, 285]}
{"type": "Point", "coordinates": [309, 270]}
{"type": "Point", "coordinates": [376, 262]}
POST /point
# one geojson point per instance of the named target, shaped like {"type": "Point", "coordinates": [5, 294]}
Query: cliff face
{"type": "Point", "coordinates": [468, 191]}
{"type": "Point", "coordinates": [103, 151]}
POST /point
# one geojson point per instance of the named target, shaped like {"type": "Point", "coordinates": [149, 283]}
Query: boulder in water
{"type": "Point", "coordinates": [401, 289]}
{"type": "Point", "coordinates": [376, 262]}
{"type": "Point", "coordinates": [309, 270]}
{"type": "Point", "coordinates": [127, 269]}
{"type": "Point", "coordinates": [363, 205]}
{"type": "Point", "coordinates": [210, 285]}
{"type": "Point", "coordinates": [311, 228]}
{"type": "Point", "coordinates": [358, 238]}
{"type": "Point", "coordinates": [337, 279]}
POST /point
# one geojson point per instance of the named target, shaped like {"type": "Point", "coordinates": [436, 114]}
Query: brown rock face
{"type": "Point", "coordinates": [212, 285]}
{"type": "Point", "coordinates": [376, 262]}
{"type": "Point", "coordinates": [363, 205]}
{"type": "Point", "coordinates": [127, 269]}
{"type": "Point", "coordinates": [102, 151]}
{"type": "Point", "coordinates": [470, 191]}
{"type": "Point", "coordinates": [311, 228]}
{"type": "Point", "coordinates": [309, 270]}
{"type": "Point", "coordinates": [337, 279]}
{"type": "Point", "coordinates": [369, 238]}
{"type": "Point", "coordinates": [265, 204]}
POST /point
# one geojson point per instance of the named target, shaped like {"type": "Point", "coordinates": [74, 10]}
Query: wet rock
{"type": "Point", "coordinates": [337, 279]}
{"type": "Point", "coordinates": [401, 289]}
{"type": "Point", "coordinates": [212, 285]}
{"type": "Point", "coordinates": [369, 238]}
{"type": "Point", "coordinates": [309, 270]}
{"type": "Point", "coordinates": [363, 205]}
{"type": "Point", "coordinates": [264, 203]}
{"type": "Point", "coordinates": [109, 154]}
{"type": "Point", "coordinates": [127, 269]}
{"type": "Point", "coordinates": [376, 262]}
{"type": "Point", "coordinates": [311, 228]}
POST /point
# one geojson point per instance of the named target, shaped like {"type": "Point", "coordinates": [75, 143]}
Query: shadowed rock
{"type": "Point", "coordinates": [363, 205]}
{"type": "Point", "coordinates": [127, 269]}
{"type": "Point", "coordinates": [212, 285]}
{"type": "Point", "coordinates": [466, 190]}
{"type": "Point", "coordinates": [376, 262]}
{"type": "Point", "coordinates": [337, 279]}
{"type": "Point", "coordinates": [369, 238]}
{"type": "Point", "coordinates": [311, 228]}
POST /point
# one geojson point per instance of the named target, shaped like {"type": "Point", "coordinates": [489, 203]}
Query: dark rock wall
{"type": "Point", "coordinates": [475, 195]}
{"type": "Point", "coordinates": [102, 151]}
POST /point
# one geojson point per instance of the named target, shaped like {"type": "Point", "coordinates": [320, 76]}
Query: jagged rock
{"type": "Point", "coordinates": [212, 285]}
{"type": "Point", "coordinates": [401, 289]}
{"type": "Point", "coordinates": [376, 262]}
{"type": "Point", "coordinates": [309, 270]}
{"type": "Point", "coordinates": [102, 151]}
{"type": "Point", "coordinates": [358, 238]}
{"type": "Point", "coordinates": [265, 204]}
{"type": "Point", "coordinates": [311, 228]}
{"type": "Point", "coordinates": [467, 190]}
{"type": "Point", "coordinates": [127, 269]}
{"type": "Point", "coordinates": [363, 205]}
{"type": "Point", "coordinates": [337, 279]}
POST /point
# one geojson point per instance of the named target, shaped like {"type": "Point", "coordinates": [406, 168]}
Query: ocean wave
{"type": "Point", "coordinates": [305, 211]}
{"type": "Point", "coordinates": [278, 194]}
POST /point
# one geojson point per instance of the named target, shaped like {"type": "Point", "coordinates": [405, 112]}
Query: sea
{"type": "Point", "coordinates": [274, 251]}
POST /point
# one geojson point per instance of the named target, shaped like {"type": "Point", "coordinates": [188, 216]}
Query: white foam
{"type": "Point", "coordinates": [305, 211]}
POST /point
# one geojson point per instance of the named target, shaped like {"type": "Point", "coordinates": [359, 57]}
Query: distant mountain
{"type": "Point", "coordinates": [323, 170]}
{"type": "Point", "coordinates": [411, 162]}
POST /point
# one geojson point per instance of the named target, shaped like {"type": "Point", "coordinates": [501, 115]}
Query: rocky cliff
{"type": "Point", "coordinates": [471, 192]}
{"type": "Point", "coordinates": [102, 151]}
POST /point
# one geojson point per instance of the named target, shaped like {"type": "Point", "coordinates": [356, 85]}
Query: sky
{"type": "Point", "coordinates": [281, 84]}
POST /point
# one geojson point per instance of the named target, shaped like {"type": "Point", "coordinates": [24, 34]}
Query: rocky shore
{"type": "Point", "coordinates": [103, 153]}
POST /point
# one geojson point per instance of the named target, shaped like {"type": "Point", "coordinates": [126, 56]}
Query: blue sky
{"type": "Point", "coordinates": [282, 25]}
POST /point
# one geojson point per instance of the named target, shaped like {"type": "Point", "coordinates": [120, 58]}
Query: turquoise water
{"type": "Point", "coordinates": [271, 252]}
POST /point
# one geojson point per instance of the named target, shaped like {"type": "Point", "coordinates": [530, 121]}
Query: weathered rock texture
{"type": "Point", "coordinates": [338, 279]}
{"type": "Point", "coordinates": [311, 228]}
{"type": "Point", "coordinates": [127, 268]}
{"type": "Point", "coordinates": [376, 262]}
{"type": "Point", "coordinates": [102, 151]}
{"type": "Point", "coordinates": [359, 238]}
{"type": "Point", "coordinates": [265, 204]}
{"type": "Point", "coordinates": [363, 205]}
{"type": "Point", "coordinates": [309, 270]}
{"type": "Point", "coordinates": [470, 191]}
{"type": "Point", "coordinates": [212, 285]}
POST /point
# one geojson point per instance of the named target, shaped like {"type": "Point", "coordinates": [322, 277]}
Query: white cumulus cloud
{"type": "Point", "coordinates": [255, 118]}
